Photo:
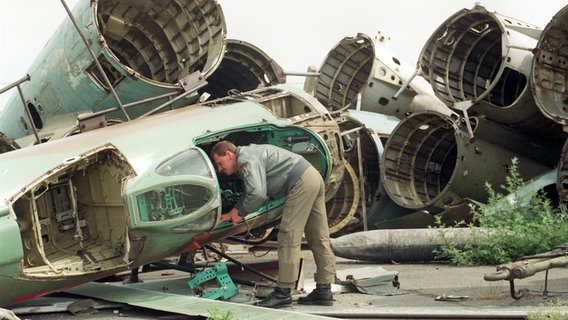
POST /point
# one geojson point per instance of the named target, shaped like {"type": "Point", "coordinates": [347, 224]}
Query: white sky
{"type": "Point", "coordinates": [295, 33]}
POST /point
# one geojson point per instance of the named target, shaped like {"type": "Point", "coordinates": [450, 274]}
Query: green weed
{"type": "Point", "coordinates": [553, 310]}
{"type": "Point", "coordinates": [522, 224]}
{"type": "Point", "coordinates": [214, 314]}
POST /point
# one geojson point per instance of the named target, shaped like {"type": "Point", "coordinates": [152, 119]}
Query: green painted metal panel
{"type": "Point", "coordinates": [182, 304]}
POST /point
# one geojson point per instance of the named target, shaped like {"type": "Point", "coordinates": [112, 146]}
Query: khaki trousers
{"type": "Point", "coordinates": [305, 213]}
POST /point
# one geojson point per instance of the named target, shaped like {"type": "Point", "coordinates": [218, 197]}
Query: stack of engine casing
{"type": "Point", "coordinates": [478, 62]}
{"type": "Point", "coordinates": [359, 82]}
{"type": "Point", "coordinates": [465, 111]}
{"type": "Point", "coordinates": [484, 58]}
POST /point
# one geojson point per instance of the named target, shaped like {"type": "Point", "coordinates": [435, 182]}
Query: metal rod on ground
{"type": "Point", "coordinates": [240, 264]}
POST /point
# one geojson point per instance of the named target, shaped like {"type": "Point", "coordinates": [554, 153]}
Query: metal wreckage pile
{"type": "Point", "coordinates": [119, 122]}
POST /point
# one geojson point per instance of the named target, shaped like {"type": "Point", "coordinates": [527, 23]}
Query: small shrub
{"type": "Point", "coordinates": [554, 310]}
{"type": "Point", "coordinates": [523, 223]}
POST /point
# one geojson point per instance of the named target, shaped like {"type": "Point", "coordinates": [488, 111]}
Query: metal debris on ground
{"type": "Point", "coordinates": [371, 280]}
{"type": "Point", "coordinates": [226, 289]}
{"type": "Point", "coordinates": [451, 298]}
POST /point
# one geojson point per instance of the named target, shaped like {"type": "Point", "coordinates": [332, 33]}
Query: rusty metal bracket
{"type": "Point", "coordinates": [90, 123]}
{"type": "Point", "coordinates": [515, 294]}
{"type": "Point", "coordinates": [463, 106]}
{"type": "Point", "coordinates": [219, 272]}
{"type": "Point", "coordinates": [190, 83]}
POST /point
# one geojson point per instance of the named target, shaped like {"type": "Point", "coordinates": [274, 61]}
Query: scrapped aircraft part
{"type": "Point", "coordinates": [364, 135]}
{"type": "Point", "coordinates": [244, 67]}
{"type": "Point", "coordinates": [219, 272]}
{"type": "Point", "coordinates": [311, 81]}
{"type": "Point", "coordinates": [338, 87]}
{"type": "Point", "coordinates": [165, 197]}
{"type": "Point", "coordinates": [72, 220]}
{"type": "Point", "coordinates": [482, 57]}
{"type": "Point", "coordinates": [545, 183]}
{"type": "Point", "coordinates": [430, 160]}
{"type": "Point", "coordinates": [66, 125]}
{"type": "Point", "coordinates": [528, 266]}
{"type": "Point", "coordinates": [400, 245]}
{"type": "Point", "coordinates": [164, 41]}
{"type": "Point", "coordinates": [362, 149]}
{"type": "Point", "coordinates": [361, 65]}
{"type": "Point", "coordinates": [520, 142]}
{"type": "Point", "coordinates": [550, 69]}
{"type": "Point", "coordinates": [562, 178]}
{"type": "Point", "coordinates": [370, 280]}
{"type": "Point", "coordinates": [342, 207]}
{"type": "Point", "coordinates": [185, 304]}
{"type": "Point", "coordinates": [412, 220]}
{"type": "Point", "coordinates": [7, 144]}
{"type": "Point", "coordinates": [144, 48]}
{"type": "Point", "coordinates": [449, 216]}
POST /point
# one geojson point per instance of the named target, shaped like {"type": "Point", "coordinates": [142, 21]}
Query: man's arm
{"type": "Point", "coordinates": [233, 216]}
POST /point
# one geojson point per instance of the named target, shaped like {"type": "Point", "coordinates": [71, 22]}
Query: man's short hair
{"type": "Point", "coordinates": [221, 148]}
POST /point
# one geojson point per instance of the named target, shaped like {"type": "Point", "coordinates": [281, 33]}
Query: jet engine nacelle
{"type": "Point", "coordinates": [430, 160]}
{"type": "Point", "coordinates": [550, 69]}
{"type": "Point", "coordinates": [483, 58]}
{"type": "Point", "coordinates": [244, 67]}
{"type": "Point", "coordinates": [562, 178]}
{"type": "Point", "coordinates": [363, 66]}
{"type": "Point", "coordinates": [144, 49]}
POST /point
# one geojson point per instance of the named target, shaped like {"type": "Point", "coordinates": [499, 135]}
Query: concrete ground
{"type": "Point", "coordinates": [437, 288]}
{"type": "Point", "coordinates": [427, 290]}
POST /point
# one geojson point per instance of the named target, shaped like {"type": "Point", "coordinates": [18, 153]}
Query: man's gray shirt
{"type": "Point", "coordinates": [267, 172]}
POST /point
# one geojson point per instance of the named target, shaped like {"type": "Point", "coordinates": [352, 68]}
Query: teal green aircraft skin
{"type": "Point", "coordinates": [112, 199]}
{"type": "Point", "coordinates": [141, 48]}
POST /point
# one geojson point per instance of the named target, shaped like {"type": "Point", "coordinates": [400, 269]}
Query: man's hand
{"type": "Point", "coordinates": [232, 215]}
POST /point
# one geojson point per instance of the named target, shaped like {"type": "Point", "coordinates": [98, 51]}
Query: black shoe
{"type": "Point", "coordinates": [279, 298]}
{"type": "Point", "coordinates": [320, 296]}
